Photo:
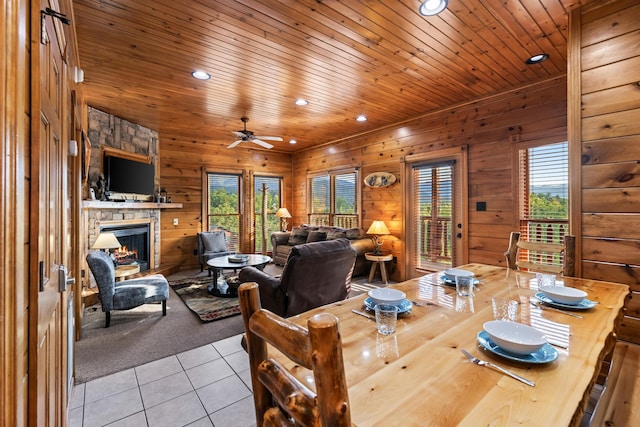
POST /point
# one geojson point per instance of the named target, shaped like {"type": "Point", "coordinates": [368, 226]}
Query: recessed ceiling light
{"type": "Point", "coordinates": [301, 101]}
{"type": "Point", "coordinates": [361, 118]}
{"type": "Point", "coordinates": [293, 141]}
{"type": "Point", "coordinates": [201, 75]}
{"type": "Point", "coordinates": [536, 59]}
{"type": "Point", "coordinates": [432, 7]}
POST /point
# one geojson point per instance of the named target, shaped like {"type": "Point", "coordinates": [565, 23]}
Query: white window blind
{"type": "Point", "coordinates": [333, 199]}
{"type": "Point", "coordinates": [544, 196]}
{"type": "Point", "coordinates": [432, 214]}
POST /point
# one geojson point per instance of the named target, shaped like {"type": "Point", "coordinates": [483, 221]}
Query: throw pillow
{"type": "Point", "coordinates": [336, 235]}
{"type": "Point", "coordinates": [316, 236]}
{"type": "Point", "coordinates": [214, 241]}
{"type": "Point", "coordinates": [354, 233]}
{"type": "Point", "coordinates": [298, 237]}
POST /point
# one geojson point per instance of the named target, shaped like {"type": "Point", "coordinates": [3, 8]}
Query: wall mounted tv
{"type": "Point", "coordinates": [128, 176]}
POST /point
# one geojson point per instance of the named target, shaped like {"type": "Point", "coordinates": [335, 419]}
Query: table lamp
{"type": "Point", "coordinates": [107, 241]}
{"type": "Point", "coordinates": [283, 214]}
{"type": "Point", "coordinates": [378, 228]}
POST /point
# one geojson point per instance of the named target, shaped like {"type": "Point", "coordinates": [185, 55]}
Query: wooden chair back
{"type": "Point", "coordinates": [278, 396]}
{"type": "Point", "coordinates": [566, 250]}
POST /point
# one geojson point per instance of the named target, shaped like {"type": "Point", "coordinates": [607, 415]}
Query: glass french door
{"type": "Point", "coordinates": [436, 214]}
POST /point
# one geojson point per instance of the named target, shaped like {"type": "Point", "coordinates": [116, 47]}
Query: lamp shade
{"type": "Point", "coordinates": [378, 228]}
{"type": "Point", "coordinates": [283, 213]}
{"type": "Point", "coordinates": [106, 241]}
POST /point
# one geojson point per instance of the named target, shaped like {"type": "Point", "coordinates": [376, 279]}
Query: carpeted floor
{"type": "Point", "coordinates": [142, 335]}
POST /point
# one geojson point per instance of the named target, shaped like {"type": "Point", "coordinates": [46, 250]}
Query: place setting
{"type": "Point", "coordinates": [453, 275]}
{"type": "Point", "coordinates": [387, 305]}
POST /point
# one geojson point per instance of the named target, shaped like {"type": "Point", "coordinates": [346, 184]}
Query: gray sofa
{"type": "Point", "coordinates": [282, 242]}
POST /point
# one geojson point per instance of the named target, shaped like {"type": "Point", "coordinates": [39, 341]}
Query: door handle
{"type": "Point", "coordinates": [64, 280]}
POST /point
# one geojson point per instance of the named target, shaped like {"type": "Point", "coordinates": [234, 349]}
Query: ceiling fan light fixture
{"type": "Point", "coordinates": [536, 59]}
{"type": "Point", "coordinates": [301, 102]}
{"type": "Point", "coordinates": [200, 75]}
{"type": "Point", "coordinates": [432, 7]}
{"type": "Point", "coordinates": [361, 118]}
{"type": "Point", "coordinates": [293, 141]}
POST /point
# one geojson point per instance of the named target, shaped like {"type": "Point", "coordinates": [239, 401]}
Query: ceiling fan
{"type": "Point", "coordinates": [248, 136]}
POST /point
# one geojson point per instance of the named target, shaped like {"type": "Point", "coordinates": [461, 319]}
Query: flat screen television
{"type": "Point", "coordinates": [128, 176]}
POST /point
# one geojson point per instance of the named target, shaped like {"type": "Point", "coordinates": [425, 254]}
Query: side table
{"type": "Point", "coordinates": [378, 259]}
{"type": "Point", "coordinates": [123, 271]}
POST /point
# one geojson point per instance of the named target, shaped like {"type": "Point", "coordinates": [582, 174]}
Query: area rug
{"type": "Point", "coordinates": [193, 291]}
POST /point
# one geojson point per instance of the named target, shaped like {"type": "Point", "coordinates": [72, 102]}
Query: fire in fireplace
{"type": "Point", "coordinates": [135, 241]}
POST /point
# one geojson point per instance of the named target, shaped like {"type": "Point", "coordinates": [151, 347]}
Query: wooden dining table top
{"type": "Point", "coordinates": [419, 377]}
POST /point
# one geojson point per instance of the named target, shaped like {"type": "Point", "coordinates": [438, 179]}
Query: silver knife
{"type": "Point", "coordinates": [363, 314]}
{"type": "Point", "coordinates": [497, 368]}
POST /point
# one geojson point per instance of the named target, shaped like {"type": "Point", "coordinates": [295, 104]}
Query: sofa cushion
{"type": "Point", "coordinates": [298, 236]}
{"type": "Point", "coordinates": [316, 236]}
{"type": "Point", "coordinates": [354, 233]}
{"type": "Point", "coordinates": [336, 234]}
{"type": "Point", "coordinates": [214, 242]}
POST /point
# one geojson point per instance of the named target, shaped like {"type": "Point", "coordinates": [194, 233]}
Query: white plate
{"type": "Point", "coordinates": [563, 294]}
{"type": "Point", "coordinates": [545, 354]}
{"type": "Point", "coordinates": [403, 307]}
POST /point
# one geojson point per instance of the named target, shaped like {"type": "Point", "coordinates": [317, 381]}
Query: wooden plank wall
{"type": "Point", "coordinates": [15, 122]}
{"type": "Point", "coordinates": [181, 167]}
{"type": "Point", "coordinates": [610, 85]}
{"type": "Point", "coordinates": [490, 127]}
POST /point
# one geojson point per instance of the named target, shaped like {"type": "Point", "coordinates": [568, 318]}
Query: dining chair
{"type": "Point", "coordinates": [542, 255]}
{"type": "Point", "coordinates": [280, 399]}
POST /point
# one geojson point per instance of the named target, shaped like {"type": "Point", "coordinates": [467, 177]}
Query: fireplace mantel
{"type": "Point", "coordinates": [97, 204]}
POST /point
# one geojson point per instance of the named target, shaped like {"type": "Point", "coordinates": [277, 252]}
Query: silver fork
{"type": "Point", "coordinates": [497, 368]}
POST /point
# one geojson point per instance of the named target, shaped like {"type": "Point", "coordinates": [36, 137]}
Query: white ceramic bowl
{"type": "Point", "coordinates": [453, 272]}
{"type": "Point", "coordinates": [515, 337]}
{"type": "Point", "coordinates": [563, 295]}
{"type": "Point", "coordinates": [386, 296]}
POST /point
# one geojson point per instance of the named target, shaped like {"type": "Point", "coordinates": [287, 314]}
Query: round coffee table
{"type": "Point", "coordinates": [219, 264]}
{"type": "Point", "coordinates": [123, 271]}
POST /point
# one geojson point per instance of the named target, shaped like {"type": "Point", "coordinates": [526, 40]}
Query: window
{"type": "Point", "coordinates": [333, 199]}
{"type": "Point", "coordinates": [433, 215]}
{"type": "Point", "coordinates": [273, 198]}
{"type": "Point", "coordinates": [544, 196]}
{"type": "Point", "coordinates": [223, 206]}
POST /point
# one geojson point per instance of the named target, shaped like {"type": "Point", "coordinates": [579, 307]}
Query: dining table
{"type": "Point", "coordinates": [419, 376]}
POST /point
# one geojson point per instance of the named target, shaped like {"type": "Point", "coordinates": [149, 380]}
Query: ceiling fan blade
{"type": "Point", "coordinates": [269, 138]}
{"type": "Point", "coordinates": [239, 133]}
{"type": "Point", "coordinates": [233, 144]}
{"type": "Point", "coordinates": [261, 143]}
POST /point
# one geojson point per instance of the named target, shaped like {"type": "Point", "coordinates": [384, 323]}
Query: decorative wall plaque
{"type": "Point", "coordinates": [379, 179]}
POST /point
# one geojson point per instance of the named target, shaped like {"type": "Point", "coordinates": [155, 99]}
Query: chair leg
{"type": "Point", "coordinates": [108, 316]}
{"type": "Point", "coordinates": [164, 307]}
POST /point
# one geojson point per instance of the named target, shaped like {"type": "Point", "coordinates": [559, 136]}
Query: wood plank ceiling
{"type": "Point", "coordinates": [378, 58]}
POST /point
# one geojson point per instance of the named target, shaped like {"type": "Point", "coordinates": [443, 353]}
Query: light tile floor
{"type": "Point", "coordinates": [206, 386]}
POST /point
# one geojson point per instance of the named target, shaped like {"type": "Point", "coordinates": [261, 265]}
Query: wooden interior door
{"type": "Point", "coordinates": [48, 224]}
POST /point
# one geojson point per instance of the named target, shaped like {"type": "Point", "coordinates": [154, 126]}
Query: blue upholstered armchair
{"type": "Point", "coordinates": [126, 294]}
{"type": "Point", "coordinates": [212, 244]}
